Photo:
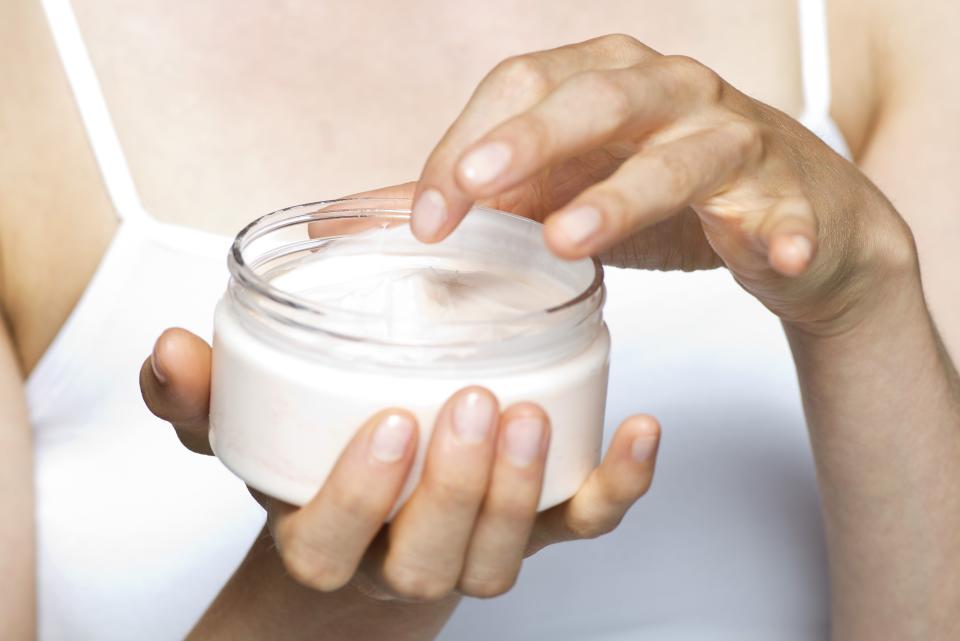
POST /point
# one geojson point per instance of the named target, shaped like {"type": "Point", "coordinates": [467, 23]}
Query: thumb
{"type": "Point", "coordinates": [175, 384]}
{"type": "Point", "coordinates": [790, 236]}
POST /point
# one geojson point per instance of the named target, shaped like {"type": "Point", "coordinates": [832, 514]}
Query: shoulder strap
{"type": "Point", "coordinates": [815, 58]}
{"type": "Point", "coordinates": [93, 109]}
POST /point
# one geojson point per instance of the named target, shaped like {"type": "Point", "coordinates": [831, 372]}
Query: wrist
{"type": "Point", "coordinates": [873, 275]}
{"type": "Point", "coordinates": [262, 601]}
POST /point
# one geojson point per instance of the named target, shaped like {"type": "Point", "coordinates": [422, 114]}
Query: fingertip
{"type": "Point", "coordinates": [429, 216]}
{"type": "Point", "coordinates": [159, 374]}
{"type": "Point", "coordinates": [393, 436]}
{"type": "Point", "coordinates": [175, 385]}
{"type": "Point", "coordinates": [644, 425]}
{"type": "Point", "coordinates": [437, 212]}
{"type": "Point", "coordinates": [396, 416]}
{"type": "Point", "coordinates": [525, 435]}
{"type": "Point", "coordinates": [790, 254]}
{"type": "Point", "coordinates": [177, 349]}
{"type": "Point", "coordinates": [641, 437]}
{"type": "Point", "coordinates": [179, 381]}
{"type": "Point", "coordinates": [525, 409]}
{"type": "Point", "coordinates": [471, 415]}
{"type": "Point", "coordinates": [572, 233]}
{"type": "Point", "coordinates": [473, 393]}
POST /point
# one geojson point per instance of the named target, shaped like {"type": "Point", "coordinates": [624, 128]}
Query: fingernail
{"type": "Point", "coordinates": [429, 214]}
{"type": "Point", "coordinates": [523, 439]}
{"type": "Point", "coordinates": [391, 438]}
{"type": "Point", "coordinates": [473, 417]}
{"type": "Point", "coordinates": [485, 163]}
{"type": "Point", "coordinates": [643, 447]}
{"type": "Point", "coordinates": [157, 372]}
{"type": "Point", "coordinates": [579, 224]}
{"type": "Point", "coordinates": [803, 248]}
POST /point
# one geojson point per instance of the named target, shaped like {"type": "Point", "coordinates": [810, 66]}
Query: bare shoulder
{"type": "Point", "coordinates": [912, 150]}
{"type": "Point", "coordinates": [916, 49]}
{"type": "Point", "coordinates": [43, 140]}
{"type": "Point", "coordinates": [51, 193]}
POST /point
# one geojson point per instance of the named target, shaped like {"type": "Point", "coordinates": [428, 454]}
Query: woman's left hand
{"type": "Point", "coordinates": [654, 161]}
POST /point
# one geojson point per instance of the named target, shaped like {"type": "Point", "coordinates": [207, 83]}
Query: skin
{"type": "Point", "coordinates": [801, 229]}
{"type": "Point", "coordinates": [467, 527]}
{"type": "Point", "coordinates": [884, 464]}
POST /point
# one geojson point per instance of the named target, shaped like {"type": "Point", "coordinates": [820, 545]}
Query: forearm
{"type": "Point", "coordinates": [883, 406]}
{"type": "Point", "coordinates": [261, 602]}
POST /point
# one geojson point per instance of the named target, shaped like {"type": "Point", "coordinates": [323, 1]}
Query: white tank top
{"type": "Point", "coordinates": [136, 535]}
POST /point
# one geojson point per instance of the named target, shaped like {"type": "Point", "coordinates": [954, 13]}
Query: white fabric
{"type": "Point", "coordinates": [815, 74]}
{"type": "Point", "coordinates": [136, 535]}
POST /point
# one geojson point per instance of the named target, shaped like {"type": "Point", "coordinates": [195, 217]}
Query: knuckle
{"type": "Point", "coordinates": [313, 568]}
{"type": "Point", "coordinates": [535, 132]}
{"type": "Point", "coordinates": [585, 527]}
{"type": "Point", "coordinates": [416, 584]}
{"type": "Point", "coordinates": [522, 74]}
{"type": "Point", "coordinates": [616, 209]}
{"type": "Point", "coordinates": [486, 586]}
{"type": "Point", "coordinates": [707, 82]}
{"type": "Point", "coordinates": [514, 508]}
{"type": "Point", "coordinates": [622, 41]}
{"type": "Point", "coordinates": [604, 88]}
{"type": "Point", "coordinates": [360, 506]}
{"type": "Point", "coordinates": [748, 139]}
{"type": "Point", "coordinates": [675, 176]}
{"type": "Point", "coordinates": [460, 491]}
{"type": "Point", "coordinates": [624, 497]}
{"type": "Point", "coordinates": [623, 47]}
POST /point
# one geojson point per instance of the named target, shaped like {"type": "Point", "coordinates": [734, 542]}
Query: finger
{"type": "Point", "coordinates": [175, 384]}
{"type": "Point", "coordinates": [510, 507]}
{"type": "Point", "coordinates": [587, 111]}
{"type": "Point", "coordinates": [402, 190]}
{"type": "Point", "coordinates": [323, 542]}
{"type": "Point", "coordinates": [611, 489]}
{"type": "Point", "coordinates": [514, 86]}
{"type": "Point", "coordinates": [652, 186]}
{"type": "Point", "coordinates": [789, 235]}
{"type": "Point", "coordinates": [393, 197]}
{"type": "Point", "coordinates": [429, 537]}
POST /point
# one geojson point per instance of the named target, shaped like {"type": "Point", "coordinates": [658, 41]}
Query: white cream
{"type": "Point", "coordinates": [405, 324]}
{"type": "Point", "coordinates": [414, 297]}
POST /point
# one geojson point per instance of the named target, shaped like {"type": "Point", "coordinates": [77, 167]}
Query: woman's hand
{"type": "Point", "coordinates": [471, 520]}
{"type": "Point", "coordinates": [654, 161]}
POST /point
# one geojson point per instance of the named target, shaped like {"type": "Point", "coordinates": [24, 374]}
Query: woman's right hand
{"type": "Point", "coordinates": [472, 518]}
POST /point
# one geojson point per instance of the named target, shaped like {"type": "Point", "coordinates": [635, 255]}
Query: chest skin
{"type": "Point", "coordinates": [227, 110]}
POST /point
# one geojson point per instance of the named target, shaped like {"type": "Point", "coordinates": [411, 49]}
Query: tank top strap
{"type": "Point", "coordinates": [815, 59]}
{"type": "Point", "coordinates": [93, 109]}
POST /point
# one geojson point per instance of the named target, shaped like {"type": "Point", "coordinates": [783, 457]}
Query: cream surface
{"type": "Point", "coordinates": [425, 289]}
{"type": "Point", "coordinates": [399, 296]}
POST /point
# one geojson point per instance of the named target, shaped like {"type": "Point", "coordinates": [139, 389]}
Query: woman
{"type": "Point", "coordinates": [654, 161]}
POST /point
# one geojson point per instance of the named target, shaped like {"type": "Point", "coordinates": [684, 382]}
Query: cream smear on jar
{"type": "Point", "coordinates": [335, 311]}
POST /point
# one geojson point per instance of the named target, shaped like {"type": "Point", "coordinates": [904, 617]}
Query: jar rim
{"type": "Point", "coordinates": [367, 207]}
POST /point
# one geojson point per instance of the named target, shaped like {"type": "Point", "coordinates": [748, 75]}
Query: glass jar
{"type": "Point", "coordinates": [334, 311]}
